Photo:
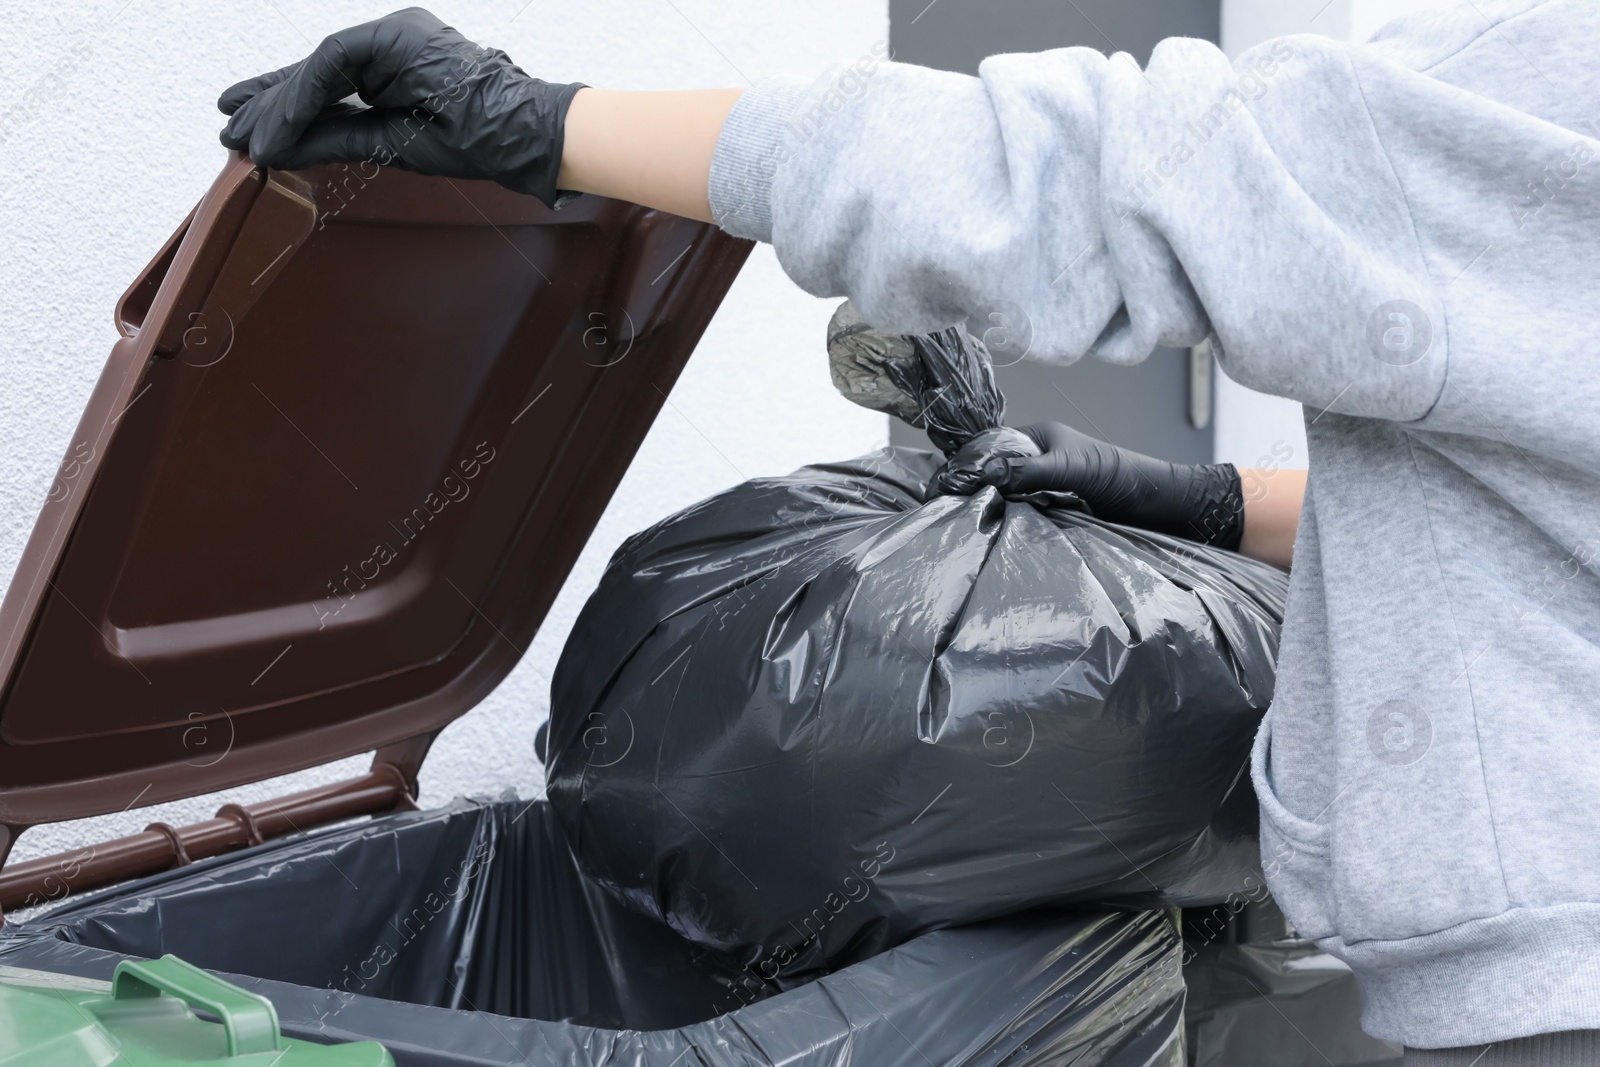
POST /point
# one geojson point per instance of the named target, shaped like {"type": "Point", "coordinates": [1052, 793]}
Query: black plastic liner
{"type": "Point", "coordinates": [1260, 996]}
{"type": "Point", "coordinates": [816, 715]}
{"type": "Point", "coordinates": [473, 926]}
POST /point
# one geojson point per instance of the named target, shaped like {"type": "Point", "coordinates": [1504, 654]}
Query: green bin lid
{"type": "Point", "coordinates": [144, 1017]}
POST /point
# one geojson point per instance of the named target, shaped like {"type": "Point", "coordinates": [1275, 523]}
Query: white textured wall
{"type": "Point", "coordinates": [108, 137]}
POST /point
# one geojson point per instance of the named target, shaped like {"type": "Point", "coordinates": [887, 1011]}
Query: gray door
{"type": "Point", "coordinates": [1146, 407]}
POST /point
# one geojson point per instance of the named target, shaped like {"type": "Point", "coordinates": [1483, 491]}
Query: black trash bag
{"type": "Point", "coordinates": [941, 382]}
{"type": "Point", "coordinates": [816, 715]}
{"type": "Point", "coordinates": [465, 935]}
{"type": "Point", "coordinates": [953, 384]}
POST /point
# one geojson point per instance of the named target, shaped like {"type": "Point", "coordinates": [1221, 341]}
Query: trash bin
{"type": "Point", "coordinates": [143, 1017]}
{"type": "Point", "coordinates": [355, 432]}
{"type": "Point", "coordinates": [466, 935]}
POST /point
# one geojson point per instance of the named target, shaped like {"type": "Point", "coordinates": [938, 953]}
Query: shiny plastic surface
{"type": "Point", "coordinates": [53, 1020]}
{"type": "Point", "coordinates": [816, 715]}
{"type": "Point", "coordinates": [356, 430]}
{"type": "Point", "coordinates": [467, 936]}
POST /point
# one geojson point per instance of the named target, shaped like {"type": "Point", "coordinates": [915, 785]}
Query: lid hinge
{"type": "Point", "coordinates": [388, 787]}
{"type": "Point", "coordinates": [406, 757]}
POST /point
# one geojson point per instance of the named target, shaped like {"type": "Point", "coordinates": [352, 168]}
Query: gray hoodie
{"type": "Point", "coordinates": [1404, 236]}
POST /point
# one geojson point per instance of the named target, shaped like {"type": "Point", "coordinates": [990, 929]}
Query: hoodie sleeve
{"type": "Point", "coordinates": [1312, 204]}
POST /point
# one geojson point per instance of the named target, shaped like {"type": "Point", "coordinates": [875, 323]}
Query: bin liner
{"type": "Point", "coordinates": [1261, 996]}
{"type": "Point", "coordinates": [818, 714]}
{"type": "Point", "coordinates": [465, 935]}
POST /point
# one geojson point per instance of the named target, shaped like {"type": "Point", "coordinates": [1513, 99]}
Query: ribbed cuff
{"type": "Point", "coordinates": [749, 151]}
{"type": "Point", "coordinates": [1527, 970]}
{"type": "Point", "coordinates": [1571, 1048]}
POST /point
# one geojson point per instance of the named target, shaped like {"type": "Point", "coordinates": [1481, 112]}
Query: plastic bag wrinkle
{"type": "Point", "coordinates": [948, 634]}
{"type": "Point", "coordinates": [1105, 661]}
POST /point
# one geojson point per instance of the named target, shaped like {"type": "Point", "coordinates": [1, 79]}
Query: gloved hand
{"type": "Point", "coordinates": [1201, 502]}
{"type": "Point", "coordinates": [439, 104]}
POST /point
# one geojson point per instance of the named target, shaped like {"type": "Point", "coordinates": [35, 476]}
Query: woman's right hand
{"type": "Point", "coordinates": [1200, 502]}
{"type": "Point", "coordinates": [438, 104]}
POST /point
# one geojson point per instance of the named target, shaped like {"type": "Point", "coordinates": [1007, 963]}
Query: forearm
{"type": "Point", "coordinates": [655, 149]}
{"type": "Point", "coordinates": [650, 148]}
{"type": "Point", "coordinates": [1272, 500]}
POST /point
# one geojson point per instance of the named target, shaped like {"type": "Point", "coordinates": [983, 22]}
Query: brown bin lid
{"type": "Point", "coordinates": [354, 435]}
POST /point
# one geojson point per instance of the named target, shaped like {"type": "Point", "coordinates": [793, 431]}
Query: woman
{"type": "Point", "coordinates": [1399, 235]}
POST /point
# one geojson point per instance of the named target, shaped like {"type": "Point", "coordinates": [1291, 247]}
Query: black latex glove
{"type": "Point", "coordinates": [1202, 502]}
{"type": "Point", "coordinates": [439, 104]}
